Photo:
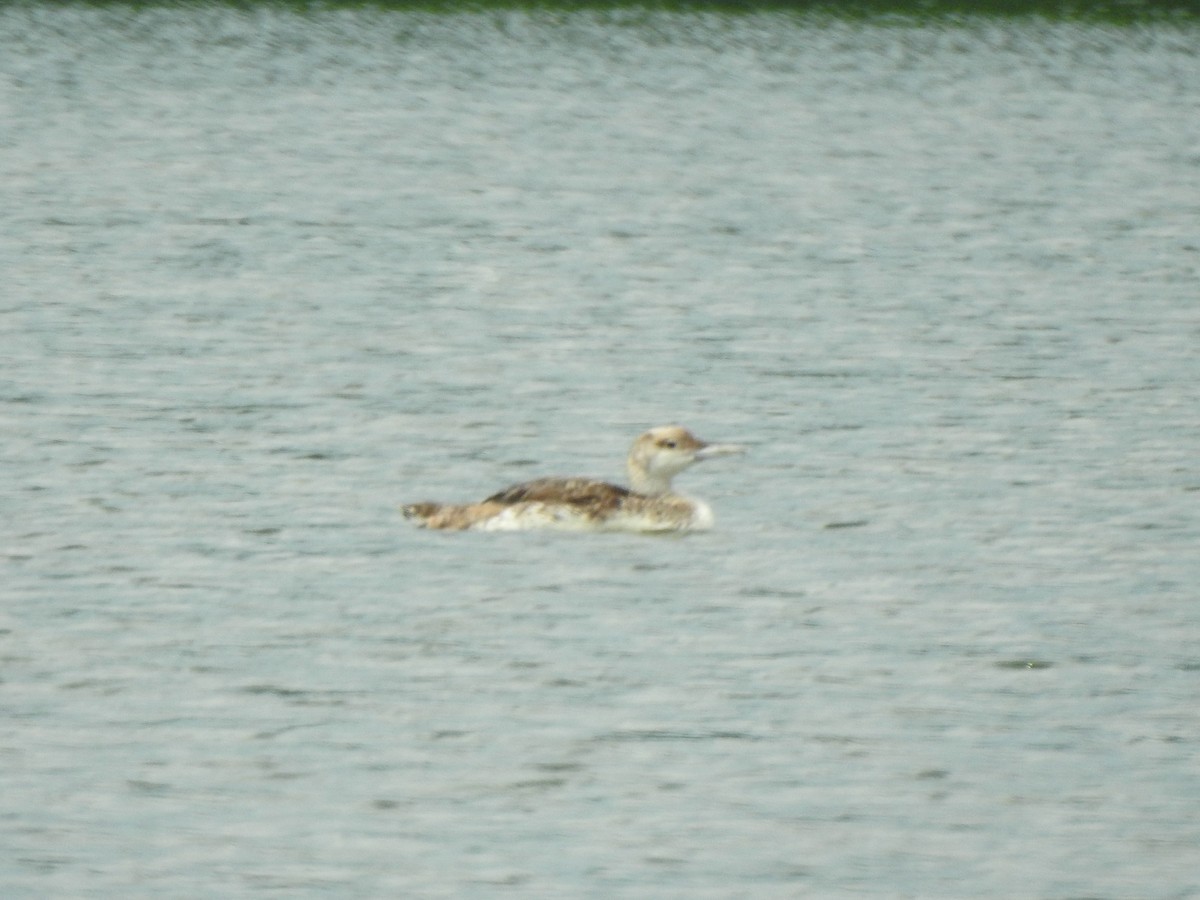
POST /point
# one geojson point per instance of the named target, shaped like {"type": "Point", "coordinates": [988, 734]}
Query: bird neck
{"type": "Point", "coordinates": [645, 482]}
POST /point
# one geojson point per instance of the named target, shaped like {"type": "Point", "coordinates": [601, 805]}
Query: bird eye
{"type": "Point", "coordinates": [669, 444]}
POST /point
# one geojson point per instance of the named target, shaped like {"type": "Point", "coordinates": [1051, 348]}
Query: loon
{"type": "Point", "coordinates": [581, 504]}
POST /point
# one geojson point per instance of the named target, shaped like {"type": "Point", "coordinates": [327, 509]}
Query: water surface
{"type": "Point", "coordinates": [267, 276]}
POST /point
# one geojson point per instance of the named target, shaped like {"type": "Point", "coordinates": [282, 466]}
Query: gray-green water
{"type": "Point", "coordinates": [267, 276]}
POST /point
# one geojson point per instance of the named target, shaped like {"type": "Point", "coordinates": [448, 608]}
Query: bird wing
{"type": "Point", "coordinates": [569, 491]}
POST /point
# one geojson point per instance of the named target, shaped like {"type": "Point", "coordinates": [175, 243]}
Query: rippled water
{"type": "Point", "coordinates": [266, 276]}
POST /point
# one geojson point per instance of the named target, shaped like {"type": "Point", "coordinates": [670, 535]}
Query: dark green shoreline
{"type": "Point", "coordinates": [1113, 12]}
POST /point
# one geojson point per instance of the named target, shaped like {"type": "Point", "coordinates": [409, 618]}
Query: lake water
{"type": "Point", "coordinates": [267, 276]}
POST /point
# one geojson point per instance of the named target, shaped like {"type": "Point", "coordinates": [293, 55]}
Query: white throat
{"type": "Point", "coordinates": [649, 483]}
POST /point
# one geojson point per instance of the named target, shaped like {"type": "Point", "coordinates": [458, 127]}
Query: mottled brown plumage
{"type": "Point", "coordinates": [575, 491]}
{"type": "Point", "coordinates": [586, 504]}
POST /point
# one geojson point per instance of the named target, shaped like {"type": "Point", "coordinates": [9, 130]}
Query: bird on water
{"type": "Point", "coordinates": [649, 504]}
